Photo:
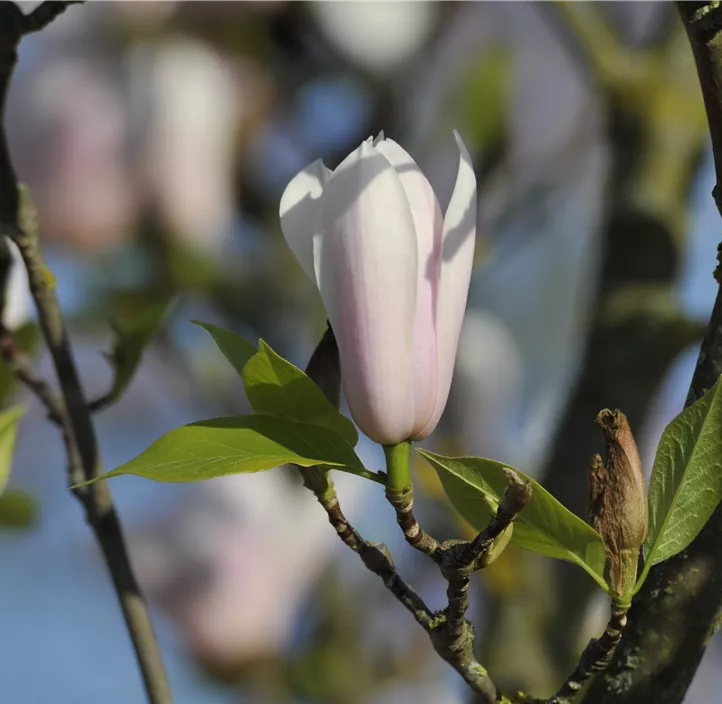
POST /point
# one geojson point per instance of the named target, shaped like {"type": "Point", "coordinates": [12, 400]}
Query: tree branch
{"type": "Point", "coordinates": [22, 368]}
{"type": "Point", "coordinates": [44, 14]}
{"type": "Point", "coordinates": [516, 497]}
{"type": "Point", "coordinates": [17, 220]}
{"type": "Point", "coordinates": [403, 504]}
{"type": "Point", "coordinates": [595, 658]}
{"type": "Point", "coordinates": [375, 557]}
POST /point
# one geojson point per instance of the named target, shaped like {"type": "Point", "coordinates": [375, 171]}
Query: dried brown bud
{"type": "Point", "coordinates": [618, 499]}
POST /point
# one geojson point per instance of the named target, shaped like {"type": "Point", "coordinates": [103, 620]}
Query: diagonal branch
{"type": "Point", "coordinates": [595, 658]}
{"type": "Point", "coordinates": [22, 368]}
{"type": "Point", "coordinates": [44, 14]}
{"type": "Point", "coordinates": [516, 497]}
{"type": "Point", "coordinates": [376, 558]}
{"type": "Point", "coordinates": [402, 501]}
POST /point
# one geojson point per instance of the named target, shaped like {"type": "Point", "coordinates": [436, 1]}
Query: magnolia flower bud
{"type": "Point", "coordinates": [618, 499]}
{"type": "Point", "coordinates": [393, 277]}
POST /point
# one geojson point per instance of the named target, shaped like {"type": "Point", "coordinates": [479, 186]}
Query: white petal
{"type": "Point", "coordinates": [457, 256]}
{"type": "Point", "coordinates": [428, 225]}
{"type": "Point", "coordinates": [367, 274]}
{"type": "Point", "coordinates": [301, 213]}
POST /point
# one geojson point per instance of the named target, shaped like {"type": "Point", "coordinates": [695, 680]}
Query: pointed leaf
{"type": "Point", "coordinates": [686, 483]}
{"type": "Point", "coordinates": [8, 431]}
{"type": "Point", "coordinates": [475, 487]}
{"type": "Point", "coordinates": [236, 349]}
{"type": "Point", "coordinates": [274, 386]}
{"type": "Point", "coordinates": [131, 339]}
{"type": "Point", "coordinates": [239, 444]}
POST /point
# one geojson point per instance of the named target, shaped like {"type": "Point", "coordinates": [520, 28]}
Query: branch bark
{"type": "Point", "coordinates": [17, 221]}
{"type": "Point", "coordinates": [675, 614]}
{"type": "Point", "coordinates": [595, 658]}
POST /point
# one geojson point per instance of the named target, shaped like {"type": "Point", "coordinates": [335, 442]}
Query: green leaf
{"type": "Point", "coordinates": [274, 386]}
{"type": "Point", "coordinates": [475, 487]}
{"type": "Point", "coordinates": [686, 483]}
{"type": "Point", "coordinates": [131, 339]}
{"type": "Point", "coordinates": [8, 431]}
{"type": "Point", "coordinates": [239, 444]}
{"type": "Point", "coordinates": [235, 349]}
{"type": "Point", "coordinates": [18, 509]}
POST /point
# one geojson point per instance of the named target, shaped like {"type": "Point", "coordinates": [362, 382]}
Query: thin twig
{"type": "Point", "coordinates": [403, 504]}
{"type": "Point", "coordinates": [45, 13]}
{"type": "Point", "coordinates": [17, 220]}
{"type": "Point", "coordinates": [454, 645]}
{"type": "Point", "coordinates": [100, 404]}
{"type": "Point", "coordinates": [377, 559]}
{"type": "Point", "coordinates": [22, 368]}
{"type": "Point", "coordinates": [516, 497]}
{"type": "Point", "coordinates": [596, 657]}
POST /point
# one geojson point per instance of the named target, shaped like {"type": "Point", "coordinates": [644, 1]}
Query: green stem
{"type": "Point", "coordinates": [397, 466]}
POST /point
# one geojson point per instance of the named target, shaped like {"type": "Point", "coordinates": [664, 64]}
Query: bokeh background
{"type": "Point", "coordinates": [157, 139]}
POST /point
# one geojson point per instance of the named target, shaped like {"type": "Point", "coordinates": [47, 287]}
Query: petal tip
{"type": "Point", "coordinates": [462, 147]}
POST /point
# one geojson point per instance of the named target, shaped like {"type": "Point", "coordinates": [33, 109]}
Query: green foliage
{"type": "Point", "coordinates": [294, 423]}
{"type": "Point", "coordinates": [8, 431]}
{"type": "Point", "coordinates": [18, 509]}
{"type": "Point", "coordinates": [686, 484]}
{"type": "Point", "coordinates": [276, 387]}
{"type": "Point", "coordinates": [131, 339]}
{"type": "Point", "coordinates": [239, 444]}
{"type": "Point", "coordinates": [235, 349]}
{"type": "Point", "coordinates": [475, 487]}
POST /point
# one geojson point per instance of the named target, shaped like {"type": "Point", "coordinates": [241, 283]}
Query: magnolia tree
{"type": "Point", "coordinates": [393, 274]}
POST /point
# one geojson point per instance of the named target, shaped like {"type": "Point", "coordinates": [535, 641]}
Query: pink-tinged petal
{"type": "Point", "coordinates": [457, 256]}
{"type": "Point", "coordinates": [366, 268]}
{"type": "Point", "coordinates": [428, 225]}
{"type": "Point", "coordinates": [300, 212]}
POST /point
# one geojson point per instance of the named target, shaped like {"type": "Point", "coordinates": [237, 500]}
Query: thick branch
{"type": "Point", "coordinates": [703, 22]}
{"type": "Point", "coordinates": [672, 620]}
{"type": "Point", "coordinates": [17, 220]}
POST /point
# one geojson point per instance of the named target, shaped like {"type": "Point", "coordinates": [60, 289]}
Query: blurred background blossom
{"type": "Point", "coordinates": [157, 138]}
